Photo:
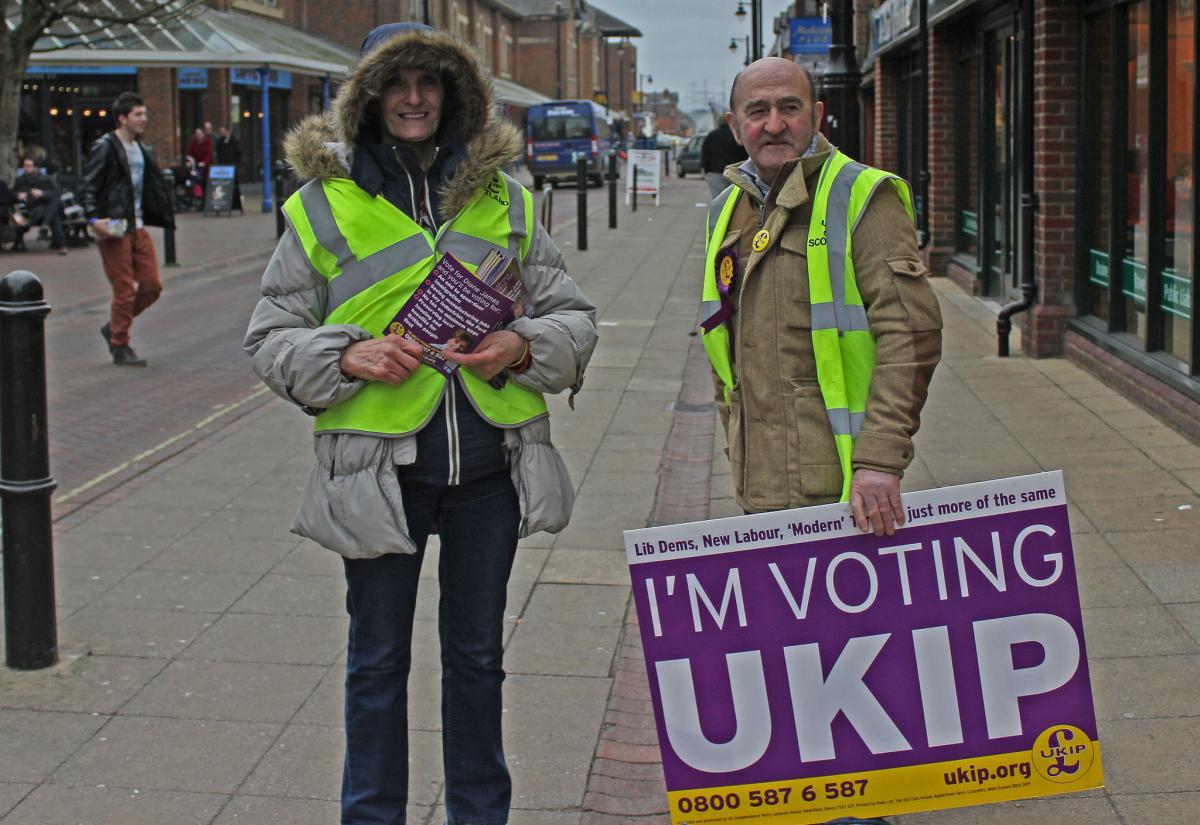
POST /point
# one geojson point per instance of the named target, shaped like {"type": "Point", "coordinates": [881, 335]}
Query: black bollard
{"type": "Point", "coordinates": [168, 231]}
{"type": "Point", "coordinates": [633, 192]}
{"type": "Point", "coordinates": [581, 182]}
{"type": "Point", "coordinates": [280, 196]}
{"type": "Point", "coordinates": [31, 635]}
{"type": "Point", "coordinates": [548, 207]}
{"type": "Point", "coordinates": [612, 191]}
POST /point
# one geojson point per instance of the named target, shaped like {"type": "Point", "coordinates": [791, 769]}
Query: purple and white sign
{"type": "Point", "coordinates": [802, 670]}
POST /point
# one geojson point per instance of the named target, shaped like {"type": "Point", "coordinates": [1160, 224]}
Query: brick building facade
{"type": "Point", "coordinates": [536, 49]}
{"type": "Point", "coordinates": [1114, 143]}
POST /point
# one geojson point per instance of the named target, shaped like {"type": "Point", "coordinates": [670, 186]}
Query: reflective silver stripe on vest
{"type": "Point", "coordinates": [320, 218]}
{"type": "Point", "coordinates": [824, 316]}
{"type": "Point", "coordinates": [708, 308]}
{"type": "Point", "coordinates": [356, 275]}
{"type": "Point", "coordinates": [467, 248]}
{"type": "Point", "coordinates": [361, 275]}
{"type": "Point", "coordinates": [845, 422]}
{"type": "Point", "coordinates": [516, 216]}
{"type": "Point", "coordinates": [836, 210]}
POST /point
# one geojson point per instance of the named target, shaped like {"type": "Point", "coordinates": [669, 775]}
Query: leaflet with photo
{"type": "Point", "coordinates": [453, 309]}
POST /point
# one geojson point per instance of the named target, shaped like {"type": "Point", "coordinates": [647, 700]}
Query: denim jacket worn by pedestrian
{"type": "Point", "coordinates": [352, 503]}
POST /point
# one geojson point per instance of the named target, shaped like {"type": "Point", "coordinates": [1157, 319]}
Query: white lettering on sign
{"type": "Point", "coordinates": [752, 732]}
{"type": "Point", "coordinates": [733, 590]}
{"type": "Point", "coordinates": [1004, 684]}
{"type": "Point", "coordinates": [892, 19]}
{"type": "Point", "coordinates": [935, 677]}
{"type": "Point", "coordinates": [818, 699]}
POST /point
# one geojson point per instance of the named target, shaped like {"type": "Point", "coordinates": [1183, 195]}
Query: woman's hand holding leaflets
{"type": "Point", "coordinates": [391, 359]}
{"type": "Point", "coordinates": [497, 351]}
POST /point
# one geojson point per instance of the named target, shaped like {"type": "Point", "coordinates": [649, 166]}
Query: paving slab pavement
{"type": "Point", "coordinates": [203, 645]}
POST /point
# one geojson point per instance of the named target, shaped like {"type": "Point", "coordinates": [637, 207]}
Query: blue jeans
{"type": "Point", "coordinates": [478, 524]}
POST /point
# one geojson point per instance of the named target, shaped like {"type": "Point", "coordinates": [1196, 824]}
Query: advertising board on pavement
{"type": "Point", "coordinates": [648, 163]}
{"type": "Point", "coordinates": [802, 671]}
{"type": "Point", "coordinates": [218, 189]}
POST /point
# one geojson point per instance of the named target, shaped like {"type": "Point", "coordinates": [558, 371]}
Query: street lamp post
{"type": "Point", "coordinates": [621, 72]}
{"type": "Point", "coordinates": [559, 16]}
{"type": "Point", "coordinates": [733, 47]}
{"type": "Point", "coordinates": [754, 48]}
{"type": "Point", "coordinates": [841, 80]}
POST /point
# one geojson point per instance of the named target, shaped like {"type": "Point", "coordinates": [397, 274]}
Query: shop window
{"type": "Point", "coordinates": [1179, 234]}
{"type": "Point", "coordinates": [911, 136]}
{"type": "Point", "coordinates": [1097, 158]}
{"type": "Point", "coordinates": [1137, 171]}
{"type": "Point", "coordinates": [966, 161]}
{"type": "Point", "coordinates": [1000, 224]}
{"type": "Point", "coordinates": [1137, 191]}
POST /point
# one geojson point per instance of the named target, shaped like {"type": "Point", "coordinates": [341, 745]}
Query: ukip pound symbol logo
{"type": "Point", "coordinates": [726, 271]}
{"type": "Point", "coordinates": [1063, 753]}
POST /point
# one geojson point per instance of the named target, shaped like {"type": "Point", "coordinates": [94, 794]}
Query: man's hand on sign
{"type": "Point", "coordinates": [391, 359]}
{"type": "Point", "coordinates": [497, 350]}
{"type": "Point", "coordinates": [875, 502]}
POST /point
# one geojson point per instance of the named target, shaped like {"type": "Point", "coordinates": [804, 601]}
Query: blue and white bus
{"type": "Point", "coordinates": [558, 131]}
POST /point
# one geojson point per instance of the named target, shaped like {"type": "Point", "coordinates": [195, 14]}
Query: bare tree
{"type": "Point", "coordinates": [51, 25]}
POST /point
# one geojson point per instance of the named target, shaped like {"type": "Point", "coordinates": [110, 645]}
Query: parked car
{"type": "Point", "coordinates": [689, 157]}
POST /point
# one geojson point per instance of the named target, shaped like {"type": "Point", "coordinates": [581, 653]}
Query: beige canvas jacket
{"type": "Point", "coordinates": [780, 444]}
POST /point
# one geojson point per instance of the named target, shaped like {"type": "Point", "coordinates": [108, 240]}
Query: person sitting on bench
{"type": "Point", "coordinates": [41, 197]}
{"type": "Point", "coordinates": [8, 209]}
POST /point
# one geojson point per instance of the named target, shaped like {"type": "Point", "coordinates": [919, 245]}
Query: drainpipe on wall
{"type": "Point", "coordinates": [1029, 199]}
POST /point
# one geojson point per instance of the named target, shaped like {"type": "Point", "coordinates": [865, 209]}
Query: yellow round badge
{"type": "Point", "coordinates": [726, 270]}
{"type": "Point", "coordinates": [1063, 753]}
{"type": "Point", "coordinates": [761, 240]}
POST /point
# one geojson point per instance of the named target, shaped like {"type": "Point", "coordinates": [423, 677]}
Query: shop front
{"type": "Point", "coordinates": [246, 100]}
{"type": "Point", "coordinates": [893, 92]}
{"type": "Point", "coordinates": [65, 108]}
{"type": "Point", "coordinates": [1136, 251]}
{"type": "Point", "coordinates": [217, 66]}
{"type": "Point", "coordinates": [988, 236]}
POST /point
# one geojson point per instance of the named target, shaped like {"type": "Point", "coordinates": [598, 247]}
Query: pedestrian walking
{"type": "Point", "coordinates": [123, 193]}
{"type": "Point", "coordinates": [408, 166]}
{"type": "Point", "coordinates": [719, 149]}
{"type": "Point", "coordinates": [823, 358]}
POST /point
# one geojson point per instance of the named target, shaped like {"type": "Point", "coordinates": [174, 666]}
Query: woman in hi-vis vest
{"type": "Point", "coordinates": [408, 167]}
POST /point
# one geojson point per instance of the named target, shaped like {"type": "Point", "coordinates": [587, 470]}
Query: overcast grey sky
{"type": "Point", "coordinates": [685, 43]}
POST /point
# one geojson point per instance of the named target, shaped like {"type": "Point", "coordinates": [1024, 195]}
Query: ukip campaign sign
{"type": "Point", "coordinates": [802, 671]}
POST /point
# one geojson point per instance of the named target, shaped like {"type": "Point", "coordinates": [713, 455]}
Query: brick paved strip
{"type": "Point", "coordinates": [625, 783]}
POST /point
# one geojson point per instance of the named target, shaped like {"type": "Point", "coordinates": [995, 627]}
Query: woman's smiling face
{"type": "Point", "coordinates": [412, 106]}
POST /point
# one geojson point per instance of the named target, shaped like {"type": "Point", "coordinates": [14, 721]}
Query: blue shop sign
{"type": "Point", "coordinates": [191, 77]}
{"type": "Point", "coordinates": [250, 77]}
{"type": "Point", "coordinates": [41, 70]}
{"type": "Point", "coordinates": [810, 35]}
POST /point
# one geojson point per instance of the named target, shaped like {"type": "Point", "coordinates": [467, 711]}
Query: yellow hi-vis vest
{"type": "Point", "coordinates": [374, 257]}
{"type": "Point", "coordinates": [842, 343]}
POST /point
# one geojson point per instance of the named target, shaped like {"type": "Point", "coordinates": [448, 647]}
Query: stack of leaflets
{"type": "Point", "coordinates": [453, 309]}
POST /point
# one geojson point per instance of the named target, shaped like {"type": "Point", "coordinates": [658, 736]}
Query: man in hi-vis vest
{"type": "Point", "coordinates": [408, 167]}
{"type": "Point", "coordinates": [822, 331]}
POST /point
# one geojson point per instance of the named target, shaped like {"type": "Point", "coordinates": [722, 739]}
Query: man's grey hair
{"type": "Point", "coordinates": [814, 83]}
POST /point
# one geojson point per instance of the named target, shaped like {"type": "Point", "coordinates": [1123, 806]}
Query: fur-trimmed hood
{"type": "Point", "coordinates": [322, 146]}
